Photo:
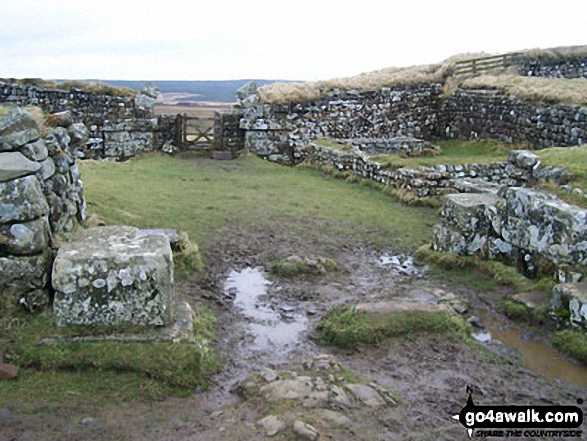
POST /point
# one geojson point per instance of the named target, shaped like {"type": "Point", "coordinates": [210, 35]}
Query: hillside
{"type": "Point", "coordinates": [214, 91]}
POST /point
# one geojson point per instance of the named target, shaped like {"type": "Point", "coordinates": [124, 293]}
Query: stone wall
{"type": "Point", "coordinates": [120, 127]}
{"type": "Point", "coordinates": [553, 69]}
{"type": "Point", "coordinates": [519, 169]}
{"type": "Point", "coordinates": [275, 132]}
{"type": "Point", "coordinates": [472, 114]}
{"type": "Point", "coordinates": [41, 194]}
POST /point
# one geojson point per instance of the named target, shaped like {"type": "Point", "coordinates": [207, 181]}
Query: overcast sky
{"type": "Point", "coordinates": [266, 39]}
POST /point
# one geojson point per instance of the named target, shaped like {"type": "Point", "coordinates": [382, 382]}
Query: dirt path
{"type": "Point", "coordinates": [429, 375]}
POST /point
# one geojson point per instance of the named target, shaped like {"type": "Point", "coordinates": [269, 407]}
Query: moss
{"type": "Point", "coordinates": [188, 259]}
{"type": "Point", "coordinates": [573, 343]}
{"type": "Point", "coordinates": [344, 328]}
{"type": "Point", "coordinates": [295, 266]}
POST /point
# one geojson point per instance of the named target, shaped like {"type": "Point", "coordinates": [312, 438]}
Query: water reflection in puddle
{"type": "Point", "coordinates": [536, 354]}
{"type": "Point", "coordinates": [402, 264]}
{"type": "Point", "coordinates": [274, 327]}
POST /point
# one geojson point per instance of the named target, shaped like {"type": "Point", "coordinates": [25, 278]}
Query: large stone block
{"type": "Point", "coordinates": [22, 200]}
{"type": "Point", "coordinates": [114, 276]}
{"type": "Point", "coordinates": [473, 213]}
{"type": "Point", "coordinates": [540, 222]}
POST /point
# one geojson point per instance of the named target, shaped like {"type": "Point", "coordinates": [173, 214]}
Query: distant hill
{"type": "Point", "coordinates": [216, 91]}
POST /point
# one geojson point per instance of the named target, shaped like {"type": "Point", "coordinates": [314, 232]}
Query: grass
{"type": "Point", "coordinates": [333, 144]}
{"type": "Point", "coordinates": [534, 89]}
{"type": "Point", "coordinates": [199, 196]}
{"type": "Point", "coordinates": [344, 328]}
{"type": "Point", "coordinates": [86, 86]}
{"type": "Point", "coordinates": [573, 159]}
{"type": "Point", "coordinates": [161, 368]}
{"type": "Point", "coordinates": [452, 152]}
{"type": "Point", "coordinates": [440, 73]}
{"type": "Point", "coordinates": [572, 342]}
{"type": "Point", "coordinates": [521, 313]}
{"type": "Point", "coordinates": [295, 266]}
{"type": "Point", "coordinates": [479, 272]}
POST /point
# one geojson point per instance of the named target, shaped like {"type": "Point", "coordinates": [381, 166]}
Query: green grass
{"type": "Point", "coordinates": [522, 313]}
{"type": "Point", "coordinates": [573, 343]}
{"type": "Point", "coordinates": [160, 368]}
{"type": "Point", "coordinates": [333, 144]}
{"type": "Point", "coordinates": [199, 196]}
{"type": "Point", "coordinates": [344, 328]}
{"type": "Point", "coordinates": [453, 152]}
{"type": "Point", "coordinates": [574, 159]}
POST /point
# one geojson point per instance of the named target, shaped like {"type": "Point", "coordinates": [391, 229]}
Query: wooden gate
{"type": "Point", "coordinates": [194, 133]}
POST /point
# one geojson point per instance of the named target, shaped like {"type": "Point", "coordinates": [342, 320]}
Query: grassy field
{"type": "Point", "coordinates": [199, 196]}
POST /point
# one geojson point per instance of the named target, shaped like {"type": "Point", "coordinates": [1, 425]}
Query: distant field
{"type": "Point", "coordinates": [199, 110]}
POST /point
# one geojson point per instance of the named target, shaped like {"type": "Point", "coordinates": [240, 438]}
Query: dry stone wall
{"type": "Point", "coordinates": [41, 194]}
{"type": "Point", "coordinates": [472, 114]}
{"type": "Point", "coordinates": [119, 127]}
{"type": "Point", "coordinates": [553, 69]}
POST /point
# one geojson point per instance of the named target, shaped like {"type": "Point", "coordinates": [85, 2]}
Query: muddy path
{"type": "Point", "coordinates": [272, 334]}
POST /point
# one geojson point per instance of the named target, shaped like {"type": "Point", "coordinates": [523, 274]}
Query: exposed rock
{"type": "Point", "coordinates": [576, 296]}
{"type": "Point", "coordinates": [17, 128]}
{"type": "Point", "coordinates": [272, 425]}
{"type": "Point", "coordinates": [145, 99]}
{"type": "Point", "coordinates": [397, 307]}
{"type": "Point", "coordinates": [475, 185]}
{"type": "Point", "coordinates": [34, 301]}
{"type": "Point", "coordinates": [35, 151]}
{"type": "Point", "coordinates": [369, 396]}
{"type": "Point", "coordinates": [288, 389]}
{"type": "Point", "coordinates": [246, 90]}
{"type": "Point", "coordinates": [114, 276]}
{"type": "Point", "coordinates": [47, 169]}
{"type": "Point", "coordinates": [305, 430]}
{"type": "Point", "coordinates": [22, 200]}
{"type": "Point", "coordinates": [524, 159]}
{"type": "Point", "coordinates": [8, 371]}
{"type": "Point", "coordinates": [15, 165]}
{"type": "Point", "coordinates": [24, 274]}
{"type": "Point", "coordinates": [533, 300]}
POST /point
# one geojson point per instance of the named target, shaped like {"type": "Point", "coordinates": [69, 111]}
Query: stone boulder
{"type": "Point", "coordinates": [576, 296]}
{"type": "Point", "coordinates": [145, 99]}
{"type": "Point", "coordinates": [14, 165]}
{"type": "Point", "coordinates": [17, 128]}
{"type": "Point", "coordinates": [541, 223]}
{"type": "Point", "coordinates": [22, 200]}
{"type": "Point", "coordinates": [114, 276]}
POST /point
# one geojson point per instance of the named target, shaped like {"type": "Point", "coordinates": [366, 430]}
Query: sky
{"type": "Point", "coordinates": [267, 39]}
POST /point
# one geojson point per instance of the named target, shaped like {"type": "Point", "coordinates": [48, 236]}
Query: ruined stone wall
{"type": "Point", "coordinates": [440, 179]}
{"type": "Point", "coordinates": [41, 194]}
{"type": "Point", "coordinates": [553, 69]}
{"type": "Point", "coordinates": [275, 131]}
{"type": "Point", "coordinates": [120, 127]}
{"type": "Point", "coordinates": [472, 114]}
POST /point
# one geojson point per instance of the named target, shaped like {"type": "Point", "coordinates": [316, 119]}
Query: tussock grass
{"type": "Point", "coordinates": [573, 343]}
{"type": "Point", "coordinates": [440, 73]}
{"type": "Point", "coordinates": [535, 89]}
{"type": "Point", "coordinates": [86, 86]}
{"type": "Point", "coordinates": [562, 53]}
{"type": "Point", "coordinates": [344, 328]}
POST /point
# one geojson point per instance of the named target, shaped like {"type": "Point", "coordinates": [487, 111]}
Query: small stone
{"type": "Point", "coordinates": [272, 425]}
{"type": "Point", "coordinates": [5, 414]}
{"type": "Point", "coordinates": [367, 395]}
{"type": "Point", "coordinates": [8, 371]}
{"type": "Point", "coordinates": [476, 322]}
{"type": "Point", "coordinates": [90, 422]}
{"type": "Point", "coordinates": [305, 430]}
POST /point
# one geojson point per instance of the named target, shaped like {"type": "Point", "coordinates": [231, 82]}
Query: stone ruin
{"type": "Point", "coordinates": [41, 195]}
{"type": "Point", "coordinates": [113, 277]}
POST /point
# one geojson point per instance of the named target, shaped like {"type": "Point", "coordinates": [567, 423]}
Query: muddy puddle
{"type": "Point", "coordinates": [273, 326]}
{"type": "Point", "coordinates": [536, 354]}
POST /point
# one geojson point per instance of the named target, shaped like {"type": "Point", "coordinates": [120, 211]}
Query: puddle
{"type": "Point", "coordinates": [536, 354]}
{"type": "Point", "coordinates": [401, 264]}
{"type": "Point", "coordinates": [272, 326]}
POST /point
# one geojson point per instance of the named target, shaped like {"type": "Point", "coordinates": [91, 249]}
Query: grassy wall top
{"type": "Point", "coordinates": [92, 87]}
{"type": "Point", "coordinates": [550, 90]}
